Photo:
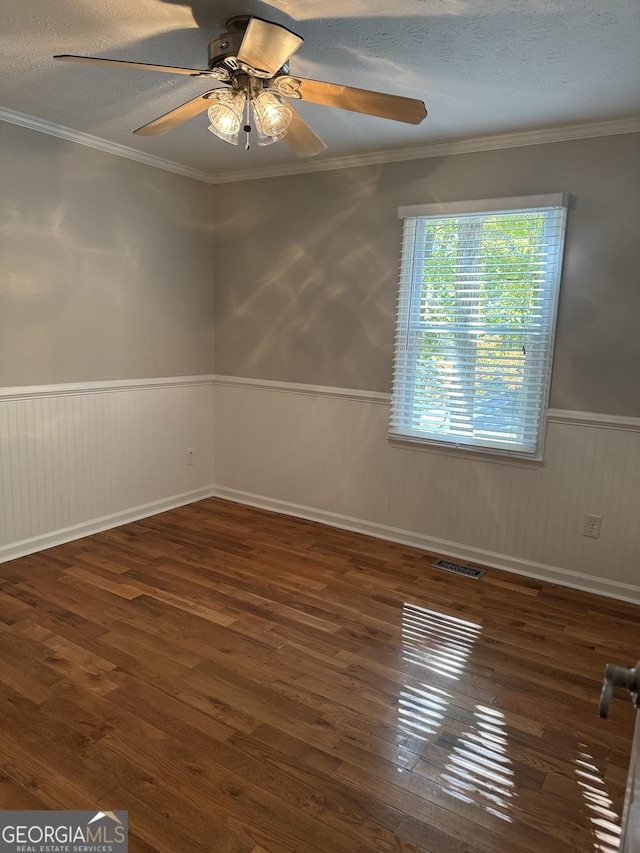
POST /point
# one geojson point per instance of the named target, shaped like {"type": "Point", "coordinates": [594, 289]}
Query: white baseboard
{"type": "Point", "coordinates": [503, 562]}
{"type": "Point", "coordinates": [96, 525]}
{"type": "Point", "coordinates": [537, 571]}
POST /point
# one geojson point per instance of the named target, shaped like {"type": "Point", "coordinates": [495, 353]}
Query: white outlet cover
{"type": "Point", "coordinates": [592, 524]}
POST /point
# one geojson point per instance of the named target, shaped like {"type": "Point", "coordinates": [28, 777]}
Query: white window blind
{"type": "Point", "coordinates": [479, 285]}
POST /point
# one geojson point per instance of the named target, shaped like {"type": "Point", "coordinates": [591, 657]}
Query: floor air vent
{"type": "Point", "coordinates": [458, 569]}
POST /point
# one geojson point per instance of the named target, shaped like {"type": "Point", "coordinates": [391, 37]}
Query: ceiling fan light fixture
{"type": "Point", "coordinates": [271, 115]}
{"type": "Point", "coordinates": [226, 115]}
{"type": "Point", "coordinates": [252, 58]}
{"type": "Point", "coordinates": [263, 139]}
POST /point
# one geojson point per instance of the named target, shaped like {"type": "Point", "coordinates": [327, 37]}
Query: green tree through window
{"type": "Point", "coordinates": [477, 302]}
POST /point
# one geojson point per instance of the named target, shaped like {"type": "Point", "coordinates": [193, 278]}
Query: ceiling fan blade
{"type": "Point", "coordinates": [175, 117]}
{"type": "Point", "coordinates": [143, 66]}
{"type": "Point", "coordinates": [393, 107]}
{"type": "Point", "coordinates": [266, 47]}
{"type": "Point", "coordinates": [301, 139]}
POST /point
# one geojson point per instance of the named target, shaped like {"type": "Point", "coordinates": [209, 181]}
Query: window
{"type": "Point", "coordinates": [479, 286]}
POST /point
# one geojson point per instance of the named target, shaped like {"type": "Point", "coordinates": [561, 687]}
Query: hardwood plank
{"type": "Point", "coordinates": [246, 682]}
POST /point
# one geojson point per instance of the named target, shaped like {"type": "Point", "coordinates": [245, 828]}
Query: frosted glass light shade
{"type": "Point", "coordinates": [271, 115]}
{"type": "Point", "coordinates": [226, 115]}
{"type": "Point", "coordinates": [263, 139]}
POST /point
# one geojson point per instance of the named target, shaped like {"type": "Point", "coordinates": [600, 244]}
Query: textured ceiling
{"type": "Point", "coordinates": [481, 66]}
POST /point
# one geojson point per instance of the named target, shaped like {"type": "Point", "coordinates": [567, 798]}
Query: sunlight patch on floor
{"type": "Point", "coordinates": [605, 822]}
{"type": "Point", "coordinates": [478, 769]}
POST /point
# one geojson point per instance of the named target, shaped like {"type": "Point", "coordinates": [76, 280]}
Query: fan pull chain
{"type": "Point", "coordinates": [247, 127]}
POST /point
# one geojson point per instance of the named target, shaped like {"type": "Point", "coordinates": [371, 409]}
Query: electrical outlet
{"type": "Point", "coordinates": [189, 455]}
{"type": "Point", "coordinates": [592, 526]}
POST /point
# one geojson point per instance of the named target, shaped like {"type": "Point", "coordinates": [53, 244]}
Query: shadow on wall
{"type": "Point", "coordinates": [302, 291]}
{"type": "Point", "coordinates": [106, 268]}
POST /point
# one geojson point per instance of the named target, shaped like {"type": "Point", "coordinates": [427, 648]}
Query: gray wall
{"type": "Point", "coordinates": [307, 266]}
{"type": "Point", "coordinates": [105, 265]}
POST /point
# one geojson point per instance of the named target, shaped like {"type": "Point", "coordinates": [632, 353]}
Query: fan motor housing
{"type": "Point", "coordinates": [223, 50]}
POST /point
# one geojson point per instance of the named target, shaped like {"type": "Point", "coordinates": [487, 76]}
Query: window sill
{"type": "Point", "coordinates": [475, 454]}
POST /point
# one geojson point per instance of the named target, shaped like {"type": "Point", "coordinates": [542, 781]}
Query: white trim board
{"type": "Point", "coordinates": [301, 388]}
{"type": "Point", "coordinates": [557, 416]}
{"type": "Point", "coordinates": [434, 149]}
{"type": "Point", "coordinates": [593, 419]}
{"type": "Point", "coordinates": [90, 141]}
{"type": "Point", "coordinates": [96, 525]}
{"type": "Point", "coordinates": [25, 392]}
{"type": "Point", "coordinates": [436, 209]}
{"type": "Point", "coordinates": [502, 562]}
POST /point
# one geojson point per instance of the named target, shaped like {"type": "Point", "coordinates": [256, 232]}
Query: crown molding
{"type": "Point", "coordinates": [436, 149]}
{"type": "Point", "coordinates": [446, 148]}
{"type": "Point", "coordinates": [90, 141]}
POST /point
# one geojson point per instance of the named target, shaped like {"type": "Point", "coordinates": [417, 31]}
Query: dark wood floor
{"type": "Point", "coordinates": [243, 682]}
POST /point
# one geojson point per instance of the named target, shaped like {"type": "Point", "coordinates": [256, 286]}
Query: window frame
{"type": "Point", "coordinates": [408, 324]}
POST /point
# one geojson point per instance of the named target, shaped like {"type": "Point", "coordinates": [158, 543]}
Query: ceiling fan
{"type": "Point", "coordinates": [251, 62]}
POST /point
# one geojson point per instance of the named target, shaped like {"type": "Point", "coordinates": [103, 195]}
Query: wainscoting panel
{"type": "Point", "coordinates": [78, 458]}
{"type": "Point", "coordinates": [324, 455]}
{"type": "Point", "coordinates": [75, 459]}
